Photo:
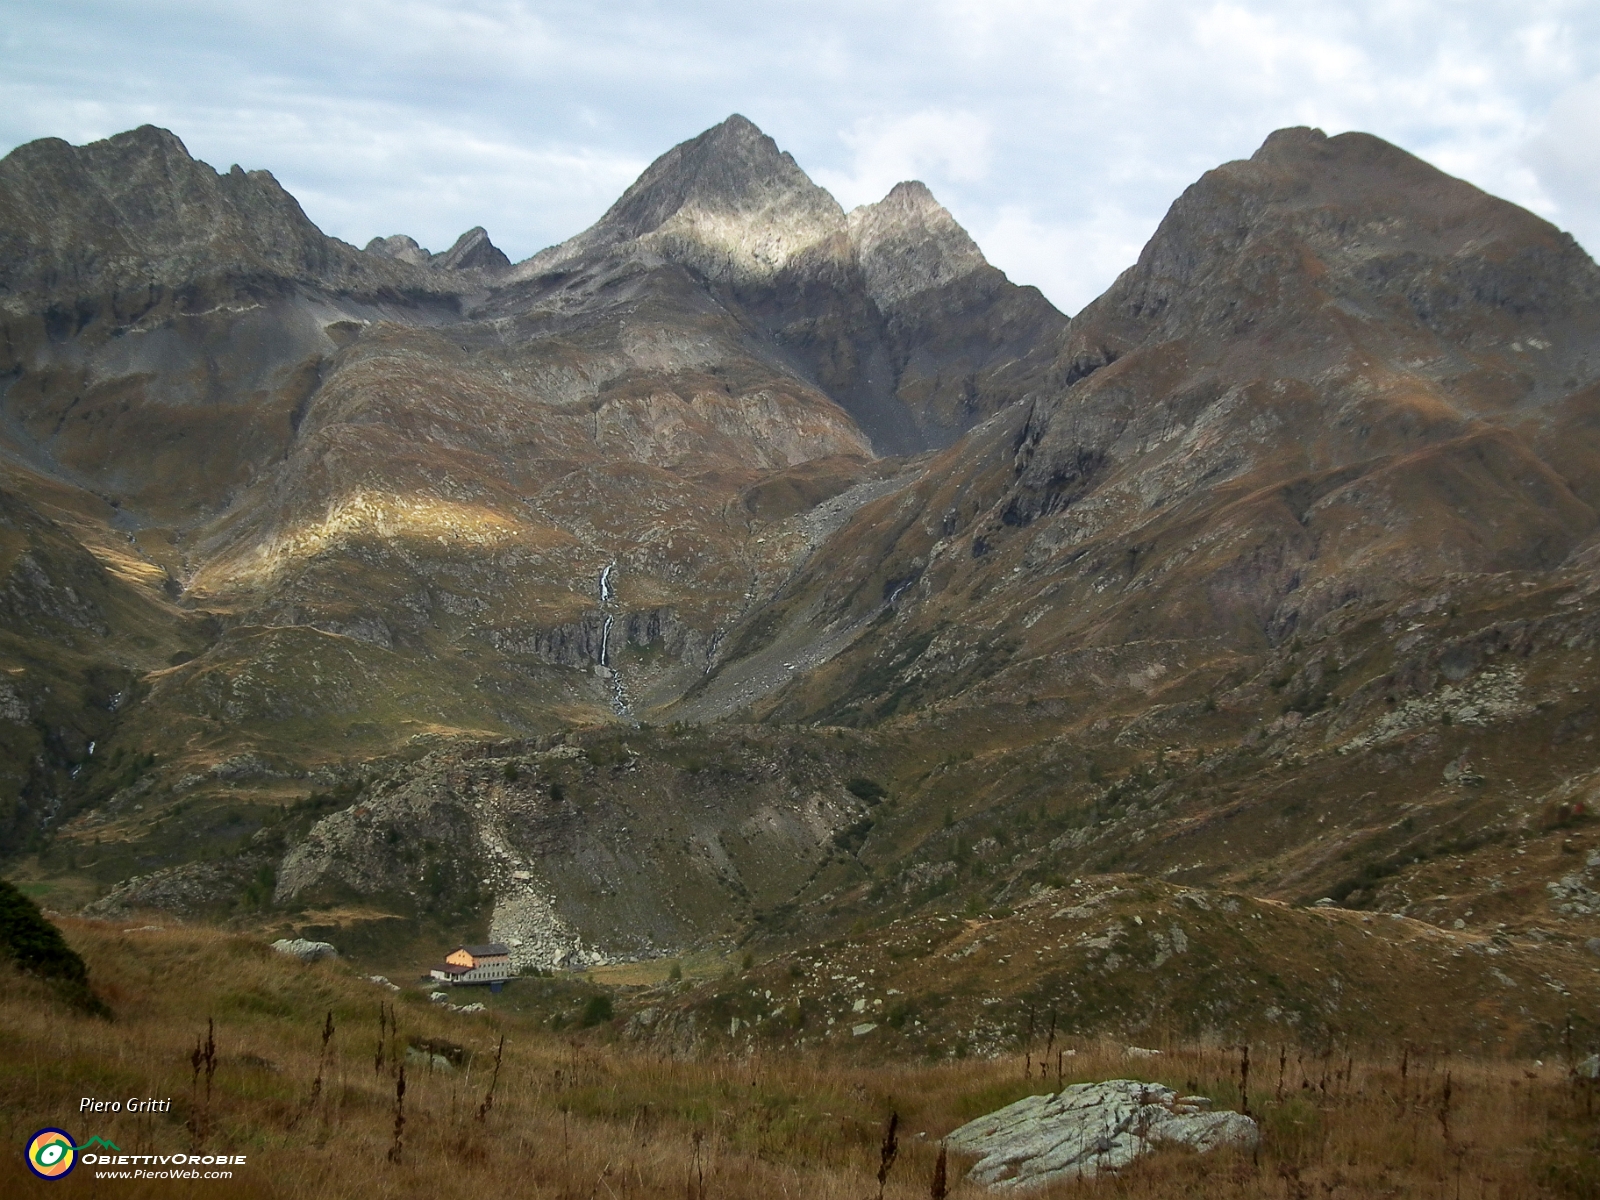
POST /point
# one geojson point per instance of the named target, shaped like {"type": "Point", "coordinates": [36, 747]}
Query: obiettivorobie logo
{"type": "Point", "coordinates": [52, 1154]}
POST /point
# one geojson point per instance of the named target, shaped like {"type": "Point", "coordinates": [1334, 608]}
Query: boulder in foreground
{"type": "Point", "coordinates": [303, 950]}
{"type": "Point", "coordinates": [1089, 1128]}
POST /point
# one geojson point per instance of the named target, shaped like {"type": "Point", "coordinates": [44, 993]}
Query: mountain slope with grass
{"type": "Point", "coordinates": [306, 1069]}
{"type": "Point", "coordinates": [746, 573]}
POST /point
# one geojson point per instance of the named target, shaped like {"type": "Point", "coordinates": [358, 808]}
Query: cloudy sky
{"type": "Point", "coordinates": [1057, 131]}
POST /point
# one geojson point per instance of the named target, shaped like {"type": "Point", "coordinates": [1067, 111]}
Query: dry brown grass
{"type": "Point", "coordinates": [592, 1118]}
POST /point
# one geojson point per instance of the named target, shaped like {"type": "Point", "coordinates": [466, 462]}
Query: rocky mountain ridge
{"type": "Point", "coordinates": [364, 474]}
{"type": "Point", "coordinates": [1265, 571]}
{"type": "Point", "coordinates": [472, 250]}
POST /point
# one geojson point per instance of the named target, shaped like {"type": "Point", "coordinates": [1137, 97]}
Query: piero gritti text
{"type": "Point", "coordinates": [133, 1104]}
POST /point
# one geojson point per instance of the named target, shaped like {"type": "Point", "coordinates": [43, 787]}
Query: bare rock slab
{"type": "Point", "coordinates": [304, 950]}
{"type": "Point", "coordinates": [1090, 1128]}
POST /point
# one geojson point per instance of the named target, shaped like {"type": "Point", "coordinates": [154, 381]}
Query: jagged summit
{"type": "Point", "coordinates": [137, 211]}
{"type": "Point", "coordinates": [400, 247]}
{"type": "Point", "coordinates": [731, 168]}
{"type": "Point", "coordinates": [909, 243]}
{"type": "Point", "coordinates": [728, 203]}
{"type": "Point", "coordinates": [1351, 225]}
{"type": "Point", "coordinates": [472, 250]}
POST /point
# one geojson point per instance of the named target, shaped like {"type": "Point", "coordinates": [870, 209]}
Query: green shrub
{"type": "Point", "coordinates": [36, 946]}
{"type": "Point", "coordinates": [596, 1011]}
{"type": "Point", "coordinates": [868, 790]}
{"type": "Point", "coordinates": [258, 892]}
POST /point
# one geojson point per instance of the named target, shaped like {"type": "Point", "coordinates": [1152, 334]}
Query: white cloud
{"type": "Point", "coordinates": [1564, 156]}
{"type": "Point", "coordinates": [931, 145]}
{"type": "Point", "coordinates": [1070, 263]}
{"type": "Point", "coordinates": [1060, 130]}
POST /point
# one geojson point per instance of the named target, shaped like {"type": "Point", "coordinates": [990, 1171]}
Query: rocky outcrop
{"type": "Point", "coordinates": [580, 856]}
{"type": "Point", "coordinates": [473, 251]}
{"type": "Point", "coordinates": [401, 248]}
{"type": "Point", "coordinates": [728, 203]}
{"type": "Point", "coordinates": [122, 223]}
{"type": "Point", "coordinates": [1578, 894]}
{"type": "Point", "coordinates": [195, 889]}
{"type": "Point", "coordinates": [908, 243]}
{"type": "Point", "coordinates": [1089, 1129]}
{"type": "Point", "coordinates": [305, 951]}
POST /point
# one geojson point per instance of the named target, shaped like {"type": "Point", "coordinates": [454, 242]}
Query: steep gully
{"type": "Point", "coordinates": [603, 667]}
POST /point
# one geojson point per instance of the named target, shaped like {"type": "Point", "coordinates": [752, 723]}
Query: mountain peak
{"type": "Point", "coordinates": [137, 210]}
{"type": "Point", "coordinates": [400, 247]}
{"type": "Point", "coordinates": [909, 243]}
{"type": "Point", "coordinates": [1349, 219]}
{"type": "Point", "coordinates": [728, 203]}
{"type": "Point", "coordinates": [472, 249]}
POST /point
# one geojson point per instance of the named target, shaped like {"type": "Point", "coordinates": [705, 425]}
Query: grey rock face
{"type": "Point", "coordinates": [728, 203]}
{"type": "Point", "coordinates": [1090, 1128]}
{"type": "Point", "coordinates": [187, 888]}
{"type": "Point", "coordinates": [304, 950]}
{"type": "Point", "coordinates": [908, 243]}
{"type": "Point", "coordinates": [1575, 894]}
{"type": "Point", "coordinates": [473, 251]}
{"type": "Point", "coordinates": [118, 221]}
{"type": "Point", "coordinates": [399, 246]}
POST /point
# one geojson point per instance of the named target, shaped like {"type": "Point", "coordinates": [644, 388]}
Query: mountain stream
{"type": "Point", "coordinates": [608, 596]}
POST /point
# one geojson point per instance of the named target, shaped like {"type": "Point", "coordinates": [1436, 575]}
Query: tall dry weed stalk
{"type": "Point", "coordinates": [203, 1058]}
{"type": "Point", "coordinates": [888, 1151]}
{"type": "Point", "coordinates": [1027, 1064]}
{"type": "Point", "coordinates": [1444, 1108]}
{"type": "Point", "coordinates": [389, 1052]}
{"type": "Point", "coordinates": [488, 1097]}
{"type": "Point", "coordinates": [697, 1184]}
{"type": "Point", "coordinates": [1244, 1079]}
{"type": "Point", "coordinates": [398, 1147]}
{"type": "Point", "coordinates": [322, 1065]}
{"type": "Point", "coordinates": [383, 1022]}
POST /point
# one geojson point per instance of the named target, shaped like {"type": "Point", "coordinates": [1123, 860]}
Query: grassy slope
{"type": "Point", "coordinates": [591, 1114]}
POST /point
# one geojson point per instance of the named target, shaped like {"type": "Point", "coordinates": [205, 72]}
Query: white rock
{"type": "Point", "coordinates": [1589, 1068]}
{"type": "Point", "coordinates": [423, 1058]}
{"type": "Point", "coordinates": [303, 950]}
{"type": "Point", "coordinates": [383, 981]}
{"type": "Point", "coordinates": [863, 1029]}
{"type": "Point", "coordinates": [438, 997]}
{"type": "Point", "coordinates": [1090, 1128]}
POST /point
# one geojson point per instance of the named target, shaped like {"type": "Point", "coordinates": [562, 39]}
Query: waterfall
{"type": "Point", "coordinates": [608, 596]}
